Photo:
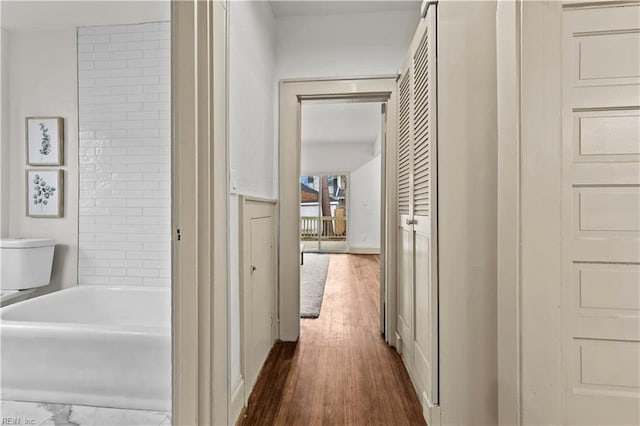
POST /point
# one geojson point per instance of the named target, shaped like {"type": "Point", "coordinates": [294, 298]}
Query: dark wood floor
{"type": "Point", "coordinates": [340, 372]}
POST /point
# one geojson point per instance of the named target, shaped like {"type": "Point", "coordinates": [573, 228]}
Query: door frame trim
{"type": "Point", "coordinates": [508, 83]}
{"type": "Point", "coordinates": [292, 92]}
{"type": "Point", "coordinates": [529, 67]}
{"type": "Point", "coordinates": [199, 212]}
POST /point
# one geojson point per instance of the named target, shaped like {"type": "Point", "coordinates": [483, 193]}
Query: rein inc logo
{"type": "Point", "coordinates": [17, 421]}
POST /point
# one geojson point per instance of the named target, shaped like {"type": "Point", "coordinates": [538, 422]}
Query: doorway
{"type": "Point", "coordinates": [340, 199]}
{"type": "Point", "coordinates": [294, 95]}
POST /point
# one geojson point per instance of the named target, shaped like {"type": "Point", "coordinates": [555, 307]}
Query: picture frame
{"type": "Point", "coordinates": [45, 141]}
{"type": "Point", "coordinates": [45, 193]}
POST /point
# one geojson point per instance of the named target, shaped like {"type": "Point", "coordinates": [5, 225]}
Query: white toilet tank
{"type": "Point", "coordinates": [25, 262]}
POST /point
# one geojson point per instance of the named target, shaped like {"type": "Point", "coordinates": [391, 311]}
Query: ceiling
{"type": "Point", "coordinates": [23, 15]}
{"type": "Point", "coordinates": [338, 7]}
{"type": "Point", "coordinates": [345, 123]}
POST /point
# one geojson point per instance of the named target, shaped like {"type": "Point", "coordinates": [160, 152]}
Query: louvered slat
{"type": "Point", "coordinates": [421, 127]}
{"type": "Point", "coordinates": [404, 146]}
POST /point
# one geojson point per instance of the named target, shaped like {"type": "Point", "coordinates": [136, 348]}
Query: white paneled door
{"type": "Point", "coordinates": [417, 212]}
{"type": "Point", "coordinates": [261, 296]}
{"type": "Point", "coordinates": [601, 216]}
{"type": "Point", "coordinates": [258, 272]}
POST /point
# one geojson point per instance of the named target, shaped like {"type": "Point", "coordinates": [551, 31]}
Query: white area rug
{"type": "Point", "coordinates": [313, 276]}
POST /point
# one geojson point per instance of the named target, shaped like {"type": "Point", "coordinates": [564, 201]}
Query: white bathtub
{"type": "Point", "coordinates": [89, 345]}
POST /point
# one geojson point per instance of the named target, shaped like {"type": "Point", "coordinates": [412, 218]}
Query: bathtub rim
{"type": "Point", "coordinates": [130, 329]}
{"type": "Point", "coordinates": [13, 325]}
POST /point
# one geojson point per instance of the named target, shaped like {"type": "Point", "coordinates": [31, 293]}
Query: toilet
{"type": "Point", "coordinates": [25, 264]}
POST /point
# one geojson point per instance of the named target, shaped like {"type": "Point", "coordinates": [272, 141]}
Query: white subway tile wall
{"type": "Point", "coordinates": [125, 164]}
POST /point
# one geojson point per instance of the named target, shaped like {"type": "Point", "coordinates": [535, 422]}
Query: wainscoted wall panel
{"type": "Point", "coordinates": [124, 118]}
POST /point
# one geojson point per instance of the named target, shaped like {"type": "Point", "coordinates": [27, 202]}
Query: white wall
{"type": "Point", "coordinates": [37, 15]}
{"type": "Point", "coordinates": [333, 158]}
{"type": "Point", "coordinates": [363, 215]}
{"type": "Point", "coordinates": [251, 108]}
{"type": "Point", "coordinates": [364, 44]}
{"type": "Point", "coordinates": [125, 163]}
{"type": "Point", "coordinates": [377, 146]}
{"type": "Point", "coordinates": [467, 211]}
{"type": "Point", "coordinates": [4, 133]}
{"type": "Point", "coordinates": [42, 70]}
{"type": "Point", "coordinates": [252, 147]}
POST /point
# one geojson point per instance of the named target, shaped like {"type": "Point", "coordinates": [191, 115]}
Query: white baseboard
{"type": "Point", "coordinates": [430, 412]}
{"type": "Point", "coordinates": [364, 250]}
{"type": "Point", "coordinates": [237, 401]}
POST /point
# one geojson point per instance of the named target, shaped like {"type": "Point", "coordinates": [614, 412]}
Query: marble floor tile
{"type": "Point", "coordinates": [61, 418]}
{"type": "Point", "coordinates": [40, 414]}
{"type": "Point", "coordinates": [26, 413]}
{"type": "Point", "coordinates": [99, 416]}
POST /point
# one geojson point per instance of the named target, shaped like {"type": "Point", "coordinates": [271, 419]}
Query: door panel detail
{"type": "Point", "coordinates": [601, 216]}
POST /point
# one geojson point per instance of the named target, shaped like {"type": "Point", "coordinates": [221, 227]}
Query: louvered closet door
{"type": "Point", "coordinates": [425, 210]}
{"type": "Point", "coordinates": [417, 212]}
{"type": "Point", "coordinates": [405, 207]}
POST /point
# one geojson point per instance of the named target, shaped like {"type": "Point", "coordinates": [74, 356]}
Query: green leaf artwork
{"type": "Point", "coordinates": [43, 192]}
{"type": "Point", "coordinates": [45, 143]}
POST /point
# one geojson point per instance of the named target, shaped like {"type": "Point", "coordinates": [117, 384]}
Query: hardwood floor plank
{"type": "Point", "coordinates": [340, 372]}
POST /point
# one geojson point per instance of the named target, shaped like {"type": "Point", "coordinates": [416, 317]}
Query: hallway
{"type": "Point", "coordinates": [340, 371]}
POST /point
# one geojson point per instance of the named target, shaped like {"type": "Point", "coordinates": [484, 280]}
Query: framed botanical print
{"type": "Point", "coordinates": [45, 193]}
{"type": "Point", "coordinates": [45, 141]}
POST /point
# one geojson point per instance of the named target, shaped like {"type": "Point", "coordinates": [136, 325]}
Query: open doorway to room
{"type": "Point", "coordinates": [340, 203]}
{"type": "Point", "coordinates": [378, 95]}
